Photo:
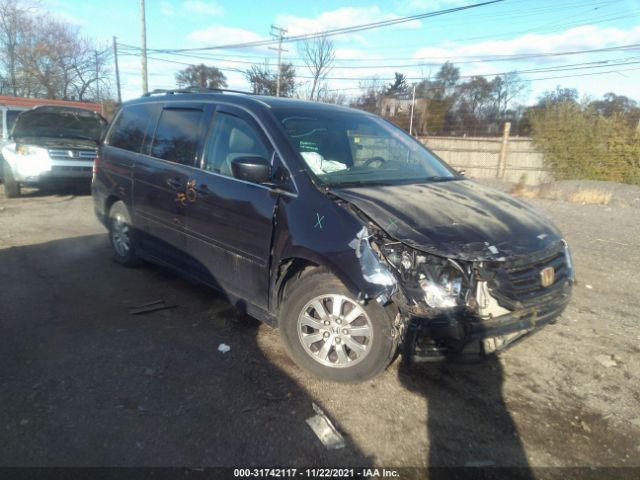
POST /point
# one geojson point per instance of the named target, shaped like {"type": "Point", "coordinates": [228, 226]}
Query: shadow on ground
{"type": "Point", "coordinates": [58, 191]}
{"type": "Point", "coordinates": [468, 422]}
{"type": "Point", "coordinates": [84, 383]}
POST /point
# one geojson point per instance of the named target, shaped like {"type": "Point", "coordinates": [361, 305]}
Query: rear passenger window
{"type": "Point", "coordinates": [131, 127]}
{"type": "Point", "coordinates": [177, 135]}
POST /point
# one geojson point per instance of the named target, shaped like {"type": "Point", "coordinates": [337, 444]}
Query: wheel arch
{"type": "Point", "coordinates": [293, 267]}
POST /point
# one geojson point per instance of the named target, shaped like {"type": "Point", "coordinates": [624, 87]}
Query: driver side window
{"type": "Point", "coordinates": [231, 138]}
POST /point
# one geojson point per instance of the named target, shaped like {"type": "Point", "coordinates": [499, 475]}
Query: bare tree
{"type": "Point", "coordinates": [92, 79]}
{"type": "Point", "coordinates": [507, 88]}
{"type": "Point", "coordinates": [318, 55]}
{"type": "Point", "coordinates": [14, 21]}
{"type": "Point", "coordinates": [45, 57]}
{"type": "Point", "coordinates": [325, 95]}
{"type": "Point", "coordinates": [372, 91]}
{"type": "Point", "coordinates": [62, 63]}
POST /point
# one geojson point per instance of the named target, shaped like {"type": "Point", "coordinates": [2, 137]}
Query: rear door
{"type": "Point", "coordinates": [162, 174]}
{"type": "Point", "coordinates": [230, 222]}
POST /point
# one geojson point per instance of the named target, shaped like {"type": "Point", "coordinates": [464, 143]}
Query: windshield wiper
{"type": "Point", "coordinates": [438, 178]}
{"type": "Point", "coordinates": [358, 183]}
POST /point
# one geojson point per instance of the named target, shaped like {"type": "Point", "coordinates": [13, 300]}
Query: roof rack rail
{"type": "Point", "coordinates": [194, 89]}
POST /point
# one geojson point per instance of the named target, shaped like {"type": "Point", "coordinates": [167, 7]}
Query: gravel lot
{"type": "Point", "coordinates": [84, 383]}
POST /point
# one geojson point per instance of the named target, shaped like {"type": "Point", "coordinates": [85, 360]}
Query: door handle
{"type": "Point", "coordinates": [203, 189]}
{"type": "Point", "coordinates": [174, 183]}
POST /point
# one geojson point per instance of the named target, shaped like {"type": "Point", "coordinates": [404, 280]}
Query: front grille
{"type": "Point", "coordinates": [72, 154]}
{"type": "Point", "coordinates": [520, 281]}
{"type": "Point", "coordinates": [64, 169]}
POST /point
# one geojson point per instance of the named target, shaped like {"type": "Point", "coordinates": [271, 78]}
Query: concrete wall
{"type": "Point", "coordinates": [479, 157]}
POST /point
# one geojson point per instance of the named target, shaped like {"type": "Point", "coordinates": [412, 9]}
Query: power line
{"type": "Point", "coordinates": [560, 68]}
{"type": "Point", "coordinates": [475, 59]}
{"type": "Point", "coordinates": [332, 32]}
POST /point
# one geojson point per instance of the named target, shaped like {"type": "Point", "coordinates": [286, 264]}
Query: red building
{"type": "Point", "coordinates": [34, 102]}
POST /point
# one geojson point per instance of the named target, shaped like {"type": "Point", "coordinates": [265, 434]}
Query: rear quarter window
{"type": "Point", "coordinates": [131, 126]}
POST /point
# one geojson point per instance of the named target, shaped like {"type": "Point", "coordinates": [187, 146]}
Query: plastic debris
{"type": "Point", "coordinates": [607, 361]}
{"type": "Point", "coordinates": [150, 307]}
{"type": "Point", "coordinates": [589, 287]}
{"type": "Point", "coordinates": [372, 270]}
{"type": "Point", "coordinates": [324, 430]}
{"type": "Point", "coordinates": [224, 348]}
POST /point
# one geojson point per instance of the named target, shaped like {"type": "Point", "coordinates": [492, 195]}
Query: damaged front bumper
{"type": "Point", "coordinates": [527, 319]}
{"type": "Point", "coordinates": [462, 334]}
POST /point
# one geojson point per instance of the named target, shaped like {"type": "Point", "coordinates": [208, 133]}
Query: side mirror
{"type": "Point", "coordinates": [461, 173]}
{"type": "Point", "coordinates": [251, 168]}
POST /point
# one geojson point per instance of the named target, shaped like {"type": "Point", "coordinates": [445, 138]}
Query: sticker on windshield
{"type": "Point", "coordinates": [308, 146]}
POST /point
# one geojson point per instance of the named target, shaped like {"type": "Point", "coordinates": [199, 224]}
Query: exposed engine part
{"type": "Point", "coordinates": [487, 305]}
{"type": "Point", "coordinates": [430, 281]}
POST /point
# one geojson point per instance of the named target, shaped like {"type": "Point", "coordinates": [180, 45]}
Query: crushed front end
{"type": "Point", "coordinates": [454, 308]}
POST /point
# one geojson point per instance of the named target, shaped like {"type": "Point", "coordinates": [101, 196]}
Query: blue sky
{"type": "Point", "coordinates": [478, 40]}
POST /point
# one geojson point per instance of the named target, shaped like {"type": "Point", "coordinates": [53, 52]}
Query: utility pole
{"type": "Point", "coordinates": [280, 36]}
{"type": "Point", "coordinates": [115, 56]}
{"type": "Point", "coordinates": [97, 77]}
{"type": "Point", "coordinates": [413, 101]}
{"type": "Point", "coordinates": [504, 150]}
{"type": "Point", "coordinates": [143, 26]}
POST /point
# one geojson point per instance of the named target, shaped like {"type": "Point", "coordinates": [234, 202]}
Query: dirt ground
{"type": "Point", "coordinates": [84, 383]}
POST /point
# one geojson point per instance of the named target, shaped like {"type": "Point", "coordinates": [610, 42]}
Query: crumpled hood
{"type": "Point", "coordinates": [457, 219]}
{"type": "Point", "coordinates": [59, 122]}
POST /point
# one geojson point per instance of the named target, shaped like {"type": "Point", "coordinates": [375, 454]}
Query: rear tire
{"type": "Point", "coordinates": [318, 323]}
{"type": "Point", "coordinates": [11, 187]}
{"type": "Point", "coordinates": [122, 235]}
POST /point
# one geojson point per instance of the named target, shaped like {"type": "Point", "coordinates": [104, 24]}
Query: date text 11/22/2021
{"type": "Point", "coordinates": [315, 473]}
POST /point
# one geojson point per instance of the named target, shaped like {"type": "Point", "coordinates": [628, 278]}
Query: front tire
{"type": "Point", "coordinates": [121, 235]}
{"type": "Point", "coordinates": [11, 187]}
{"type": "Point", "coordinates": [330, 334]}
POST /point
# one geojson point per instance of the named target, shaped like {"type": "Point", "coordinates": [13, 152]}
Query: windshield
{"type": "Point", "coordinates": [350, 149]}
{"type": "Point", "coordinates": [62, 123]}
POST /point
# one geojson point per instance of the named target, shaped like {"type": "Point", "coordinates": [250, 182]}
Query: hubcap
{"type": "Point", "coordinates": [120, 235]}
{"type": "Point", "coordinates": [335, 331]}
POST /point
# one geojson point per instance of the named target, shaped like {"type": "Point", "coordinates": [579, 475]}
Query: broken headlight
{"type": "Point", "coordinates": [435, 281]}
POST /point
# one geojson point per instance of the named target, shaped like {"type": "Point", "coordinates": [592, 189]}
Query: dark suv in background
{"type": "Point", "coordinates": [329, 223]}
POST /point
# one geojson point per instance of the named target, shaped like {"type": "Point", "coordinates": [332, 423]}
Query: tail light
{"type": "Point", "coordinates": [95, 166]}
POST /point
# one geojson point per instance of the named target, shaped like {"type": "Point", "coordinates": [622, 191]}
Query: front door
{"type": "Point", "coordinates": [230, 222]}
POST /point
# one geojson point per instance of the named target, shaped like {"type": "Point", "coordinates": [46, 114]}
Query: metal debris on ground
{"type": "Point", "coordinates": [224, 348]}
{"type": "Point", "coordinates": [324, 430]}
{"type": "Point", "coordinates": [150, 307]}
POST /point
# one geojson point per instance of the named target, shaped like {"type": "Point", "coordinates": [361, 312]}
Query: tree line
{"type": "Point", "coordinates": [45, 57]}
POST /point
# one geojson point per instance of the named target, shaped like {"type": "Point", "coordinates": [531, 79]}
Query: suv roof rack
{"type": "Point", "coordinates": [194, 89]}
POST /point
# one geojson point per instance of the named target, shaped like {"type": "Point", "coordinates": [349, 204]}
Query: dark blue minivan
{"type": "Point", "coordinates": [329, 223]}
